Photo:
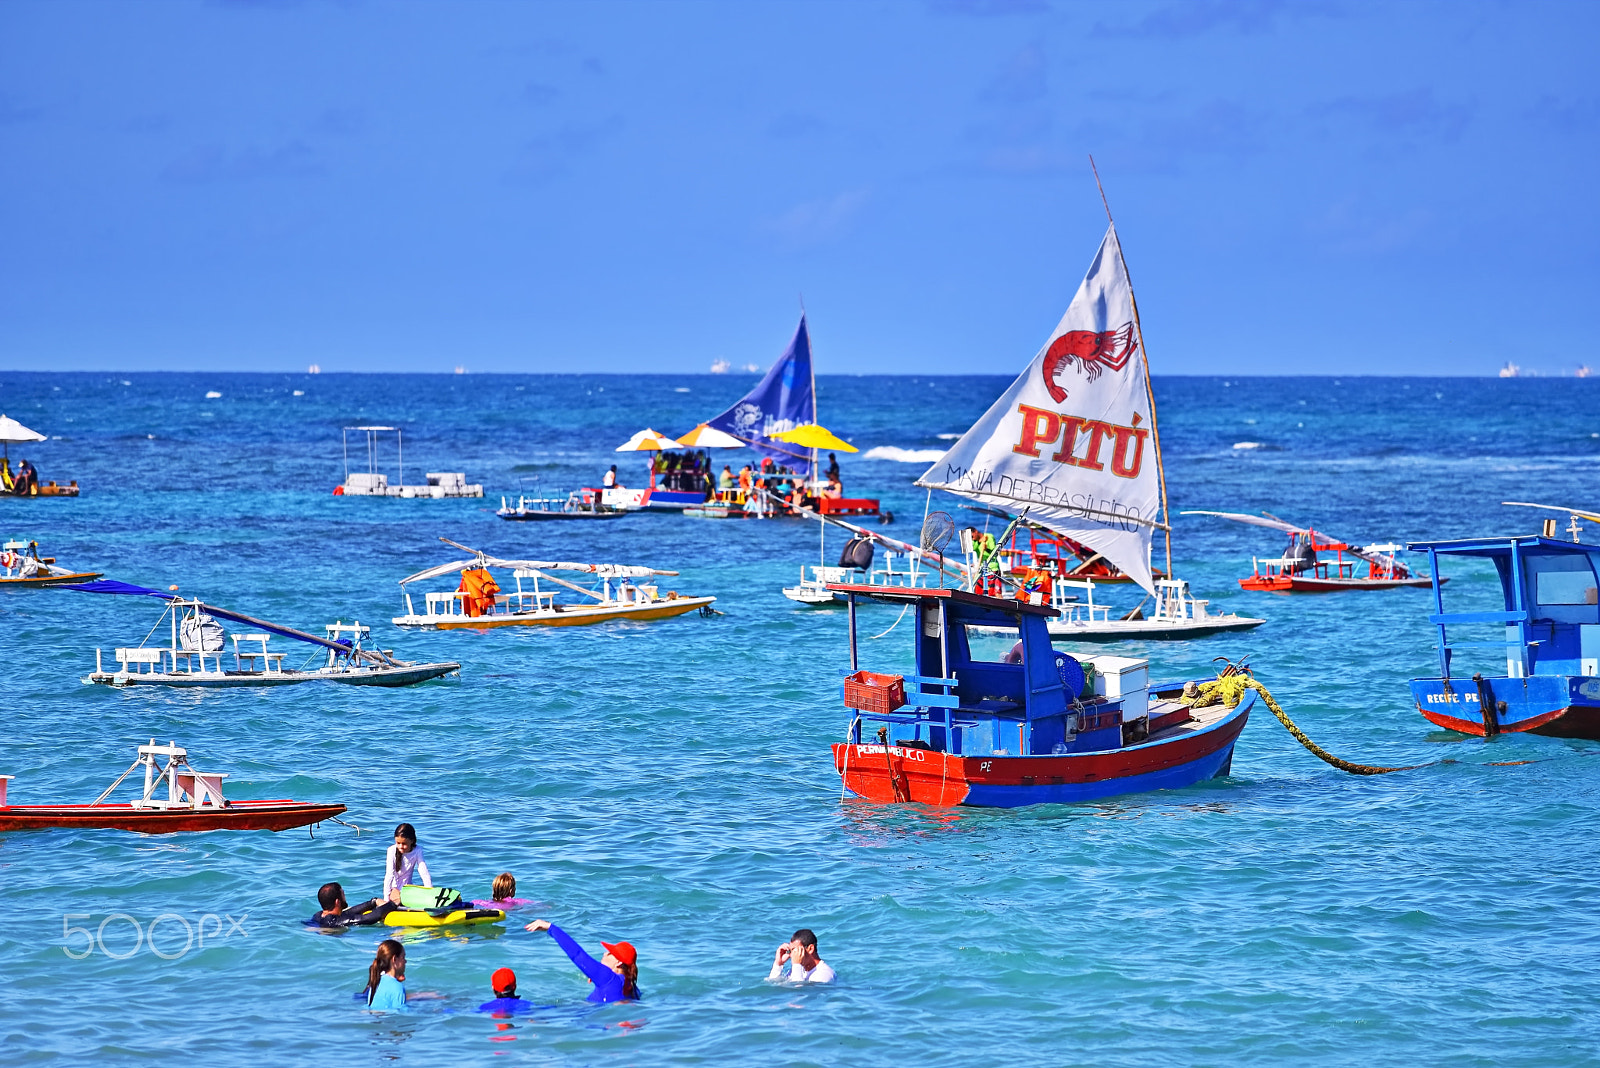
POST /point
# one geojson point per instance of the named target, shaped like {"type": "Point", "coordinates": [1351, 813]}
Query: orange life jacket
{"type": "Point", "coordinates": [479, 587]}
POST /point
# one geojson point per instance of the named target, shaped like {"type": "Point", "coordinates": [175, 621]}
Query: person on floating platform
{"type": "Point", "coordinates": [609, 481]}
{"type": "Point", "coordinates": [746, 480]}
{"type": "Point", "coordinates": [404, 864]}
{"type": "Point", "coordinates": [27, 479]}
{"type": "Point", "coordinates": [506, 1003]}
{"type": "Point", "coordinates": [805, 965]}
{"type": "Point", "coordinates": [386, 977]}
{"type": "Point", "coordinates": [478, 589]}
{"type": "Point", "coordinates": [337, 914]}
{"type": "Point", "coordinates": [832, 473]}
{"type": "Point", "coordinates": [615, 976]}
{"type": "Point", "coordinates": [725, 480]}
{"type": "Point", "coordinates": [833, 491]}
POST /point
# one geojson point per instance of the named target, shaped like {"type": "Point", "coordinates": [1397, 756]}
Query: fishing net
{"type": "Point", "coordinates": [937, 530]}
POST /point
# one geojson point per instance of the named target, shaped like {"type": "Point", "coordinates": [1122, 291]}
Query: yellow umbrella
{"type": "Point", "coordinates": [709, 437]}
{"type": "Point", "coordinates": [813, 436]}
{"type": "Point", "coordinates": [648, 440]}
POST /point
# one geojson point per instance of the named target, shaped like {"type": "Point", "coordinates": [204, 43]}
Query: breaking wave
{"type": "Point", "coordinates": [905, 456]}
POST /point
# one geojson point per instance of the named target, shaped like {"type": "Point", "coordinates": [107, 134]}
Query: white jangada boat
{"type": "Point", "coordinates": [1073, 444]}
{"type": "Point", "coordinates": [478, 601]}
{"type": "Point", "coordinates": [373, 483]}
{"type": "Point", "coordinates": [199, 651]}
{"type": "Point", "coordinates": [905, 566]}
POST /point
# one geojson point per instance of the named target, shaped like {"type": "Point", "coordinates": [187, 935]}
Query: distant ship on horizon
{"type": "Point", "coordinates": [1510, 370]}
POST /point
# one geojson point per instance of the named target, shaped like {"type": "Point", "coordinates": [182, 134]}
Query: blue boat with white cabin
{"type": "Point", "coordinates": [1548, 625]}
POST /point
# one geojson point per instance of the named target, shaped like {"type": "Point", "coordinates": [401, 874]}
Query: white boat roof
{"type": "Point", "coordinates": [602, 570]}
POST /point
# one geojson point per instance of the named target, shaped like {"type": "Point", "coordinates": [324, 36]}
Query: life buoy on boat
{"type": "Point", "coordinates": [9, 559]}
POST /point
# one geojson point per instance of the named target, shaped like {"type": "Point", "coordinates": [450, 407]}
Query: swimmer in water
{"type": "Point", "coordinates": [504, 893]}
{"type": "Point", "coordinates": [506, 1002]}
{"type": "Point", "coordinates": [404, 864]}
{"type": "Point", "coordinates": [805, 965]}
{"type": "Point", "coordinates": [615, 976]}
{"type": "Point", "coordinates": [338, 914]}
{"type": "Point", "coordinates": [386, 977]}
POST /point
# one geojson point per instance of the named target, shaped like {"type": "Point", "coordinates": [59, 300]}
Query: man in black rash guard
{"type": "Point", "coordinates": [336, 912]}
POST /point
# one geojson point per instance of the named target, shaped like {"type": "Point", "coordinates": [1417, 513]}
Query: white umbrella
{"type": "Point", "coordinates": [709, 437]}
{"type": "Point", "coordinates": [648, 440]}
{"type": "Point", "coordinates": [11, 430]}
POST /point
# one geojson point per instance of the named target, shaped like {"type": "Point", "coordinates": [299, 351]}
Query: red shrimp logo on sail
{"type": "Point", "coordinates": [1110, 349]}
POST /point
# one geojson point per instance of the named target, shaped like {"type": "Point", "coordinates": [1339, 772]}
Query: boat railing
{"type": "Point", "coordinates": [910, 578]}
{"type": "Point", "coordinates": [533, 504]}
{"type": "Point", "coordinates": [271, 663]}
{"type": "Point", "coordinates": [1173, 603]}
{"type": "Point", "coordinates": [823, 575]}
{"type": "Point", "coordinates": [1084, 611]}
{"type": "Point", "coordinates": [920, 705]}
{"type": "Point", "coordinates": [137, 661]}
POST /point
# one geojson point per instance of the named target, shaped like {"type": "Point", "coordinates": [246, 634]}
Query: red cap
{"type": "Point", "coordinates": [623, 951]}
{"type": "Point", "coordinates": [503, 979]}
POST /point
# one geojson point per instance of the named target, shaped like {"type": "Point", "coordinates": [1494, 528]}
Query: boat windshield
{"type": "Point", "coordinates": [991, 644]}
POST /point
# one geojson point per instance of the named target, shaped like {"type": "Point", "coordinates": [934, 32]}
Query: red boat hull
{"type": "Point", "coordinates": [901, 773]}
{"type": "Point", "coordinates": [238, 816]}
{"type": "Point", "coordinates": [1576, 721]}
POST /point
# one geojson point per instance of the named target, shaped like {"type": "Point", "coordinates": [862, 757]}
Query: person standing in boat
{"type": "Point", "coordinates": [404, 864]}
{"type": "Point", "coordinates": [805, 964]}
{"type": "Point", "coordinates": [615, 976]}
{"type": "Point", "coordinates": [27, 479]}
{"type": "Point", "coordinates": [609, 481]}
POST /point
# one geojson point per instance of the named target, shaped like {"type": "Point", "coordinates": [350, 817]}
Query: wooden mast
{"type": "Point", "coordinates": [1155, 434]}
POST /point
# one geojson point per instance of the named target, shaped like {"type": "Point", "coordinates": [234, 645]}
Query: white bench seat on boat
{"type": "Point", "coordinates": [131, 659]}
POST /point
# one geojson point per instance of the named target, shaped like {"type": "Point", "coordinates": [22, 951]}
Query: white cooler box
{"type": "Point", "coordinates": [1122, 678]}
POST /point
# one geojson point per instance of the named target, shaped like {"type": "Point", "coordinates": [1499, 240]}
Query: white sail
{"type": "Point", "coordinates": [1072, 439]}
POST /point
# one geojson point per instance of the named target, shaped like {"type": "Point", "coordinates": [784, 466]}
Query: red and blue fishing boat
{"type": "Point", "coordinates": [1547, 625]}
{"type": "Point", "coordinates": [995, 717]}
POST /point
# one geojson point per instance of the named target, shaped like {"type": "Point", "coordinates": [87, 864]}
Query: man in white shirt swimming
{"type": "Point", "coordinates": [805, 965]}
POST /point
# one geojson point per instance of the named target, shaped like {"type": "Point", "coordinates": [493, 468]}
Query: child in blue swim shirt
{"type": "Point", "coordinates": [386, 977]}
{"type": "Point", "coordinates": [506, 1002]}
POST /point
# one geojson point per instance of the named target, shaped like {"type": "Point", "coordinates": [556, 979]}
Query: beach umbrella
{"type": "Point", "coordinates": [709, 437]}
{"type": "Point", "coordinates": [813, 436]}
{"type": "Point", "coordinates": [11, 430]}
{"type": "Point", "coordinates": [648, 440]}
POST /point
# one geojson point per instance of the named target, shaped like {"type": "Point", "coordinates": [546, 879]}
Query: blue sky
{"type": "Point", "coordinates": [1311, 187]}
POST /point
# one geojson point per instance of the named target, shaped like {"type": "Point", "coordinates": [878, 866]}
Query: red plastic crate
{"type": "Point", "coordinates": [873, 693]}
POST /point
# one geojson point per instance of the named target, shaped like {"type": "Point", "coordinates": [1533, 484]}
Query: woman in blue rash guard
{"type": "Point", "coordinates": [615, 976]}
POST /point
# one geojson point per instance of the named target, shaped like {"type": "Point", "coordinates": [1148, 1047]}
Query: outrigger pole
{"type": "Point", "coordinates": [1155, 433]}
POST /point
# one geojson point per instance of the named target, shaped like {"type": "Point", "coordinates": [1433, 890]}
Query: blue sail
{"type": "Point", "coordinates": [782, 401]}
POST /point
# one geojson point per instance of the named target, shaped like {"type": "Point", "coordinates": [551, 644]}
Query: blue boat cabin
{"type": "Point", "coordinates": [1550, 614]}
{"type": "Point", "coordinates": [989, 683]}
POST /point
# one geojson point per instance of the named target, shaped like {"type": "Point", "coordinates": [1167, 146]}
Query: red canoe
{"type": "Point", "coordinates": [236, 816]}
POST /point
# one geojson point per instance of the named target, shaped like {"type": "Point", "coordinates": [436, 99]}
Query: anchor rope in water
{"type": "Point", "coordinates": [1229, 691]}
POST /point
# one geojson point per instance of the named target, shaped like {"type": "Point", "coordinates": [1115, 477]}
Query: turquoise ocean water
{"type": "Point", "coordinates": [670, 783]}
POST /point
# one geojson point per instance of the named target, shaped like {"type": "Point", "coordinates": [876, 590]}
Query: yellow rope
{"type": "Point", "coordinates": [1229, 691]}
